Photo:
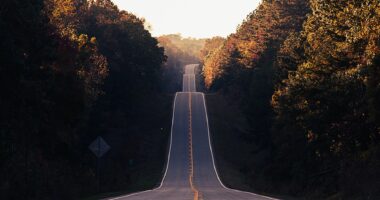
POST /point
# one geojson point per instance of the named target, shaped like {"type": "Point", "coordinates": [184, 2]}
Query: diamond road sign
{"type": "Point", "coordinates": [99, 147]}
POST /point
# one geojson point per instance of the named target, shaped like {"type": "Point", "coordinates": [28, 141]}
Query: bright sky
{"type": "Point", "coordinates": [191, 18]}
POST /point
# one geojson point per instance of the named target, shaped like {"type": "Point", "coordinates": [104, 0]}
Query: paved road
{"type": "Point", "coordinates": [191, 173]}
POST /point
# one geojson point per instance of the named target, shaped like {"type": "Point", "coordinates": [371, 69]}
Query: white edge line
{"type": "Point", "coordinates": [183, 82]}
{"type": "Point", "coordinates": [189, 75]}
{"type": "Point", "coordinates": [195, 85]}
{"type": "Point", "coordinates": [167, 163]}
{"type": "Point", "coordinates": [213, 161]}
{"type": "Point", "coordinates": [170, 148]}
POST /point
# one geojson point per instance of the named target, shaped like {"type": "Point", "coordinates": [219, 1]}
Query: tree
{"type": "Point", "coordinates": [323, 92]}
{"type": "Point", "coordinates": [66, 66]}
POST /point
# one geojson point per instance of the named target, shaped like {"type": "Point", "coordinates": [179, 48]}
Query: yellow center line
{"type": "Point", "coordinates": [191, 167]}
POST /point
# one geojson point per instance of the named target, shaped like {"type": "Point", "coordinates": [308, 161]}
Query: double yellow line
{"type": "Point", "coordinates": [196, 192]}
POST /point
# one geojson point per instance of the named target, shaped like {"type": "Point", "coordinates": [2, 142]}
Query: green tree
{"type": "Point", "coordinates": [66, 66]}
{"type": "Point", "coordinates": [322, 100]}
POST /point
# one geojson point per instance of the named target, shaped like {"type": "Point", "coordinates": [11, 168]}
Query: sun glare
{"type": "Point", "coordinates": [196, 18]}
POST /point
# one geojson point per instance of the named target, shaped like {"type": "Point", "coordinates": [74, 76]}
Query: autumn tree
{"type": "Point", "coordinates": [322, 100]}
{"type": "Point", "coordinates": [132, 90]}
{"type": "Point", "coordinates": [66, 66]}
{"type": "Point", "coordinates": [210, 46]}
{"type": "Point", "coordinates": [244, 69]}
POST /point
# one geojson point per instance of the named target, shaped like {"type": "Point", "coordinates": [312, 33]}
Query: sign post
{"type": "Point", "coordinates": [99, 147]}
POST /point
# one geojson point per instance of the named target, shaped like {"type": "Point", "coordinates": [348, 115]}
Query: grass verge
{"type": "Point", "coordinates": [138, 152]}
{"type": "Point", "coordinates": [228, 127]}
{"type": "Point", "coordinates": [227, 124]}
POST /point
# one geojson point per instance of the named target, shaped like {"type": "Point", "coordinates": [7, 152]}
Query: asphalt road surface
{"type": "Point", "coordinates": [190, 173]}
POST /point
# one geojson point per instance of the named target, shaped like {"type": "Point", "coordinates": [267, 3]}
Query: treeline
{"type": "Point", "coordinates": [211, 56]}
{"type": "Point", "coordinates": [306, 75]}
{"type": "Point", "coordinates": [71, 70]}
{"type": "Point", "coordinates": [179, 51]}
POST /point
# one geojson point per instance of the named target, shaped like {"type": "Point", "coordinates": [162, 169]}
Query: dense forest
{"type": "Point", "coordinates": [306, 77]}
{"type": "Point", "coordinates": [72, 70]}
{"type": "Point", "coordinates": [304, 74]}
